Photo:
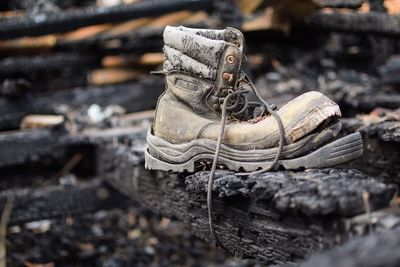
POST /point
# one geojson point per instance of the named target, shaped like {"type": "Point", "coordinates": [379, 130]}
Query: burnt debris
{"type": "Point", "coordinates": [75, 95]}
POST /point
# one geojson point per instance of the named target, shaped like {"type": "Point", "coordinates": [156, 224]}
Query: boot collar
{"type": "Point", "coordinates": [212, 54]}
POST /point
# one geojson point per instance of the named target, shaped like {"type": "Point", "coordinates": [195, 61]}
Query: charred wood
{"type": "Point", "coordinates": [17, 87]}
{"type": "Point", "coordinates": [20, 66]}
{"type": "Point", "coordinates": [373, 22]}
{"type": "Point", "coordinates": [132, 97]}
{"type": "Point", "coordinates": [340, 3]}
{"type": "Point", "coordinates": [277, 217]}
{"type": "Point", "coordinates": [312, 193]}
{"type": "Point", "coordinates": [37, 7]}
{"type": "Point", "coordinates": [389, 72]}
{"type": "Point", "coordinates": [382, 47]}
{"type": "Point", "coordinates": [355, 92]}
{"type": "Point", "coordinates": [367, 101]}
{"type": "Point", "coordinates": [228, 12]}
{"type": "Point", "coordinates": [20, 147]}
{"type": "Point", "coordinates": [375, 250]}
{"type": "Point", "coordinates": [72, 19]}
{"type": "Point", "coordinates": [61, 200]}
{"type": "Point", "coordinates": [377, 5]}
{"type": "Point", "coordinates": [48, 146]}
{"type": "Point", "coordinates": [382, 149]}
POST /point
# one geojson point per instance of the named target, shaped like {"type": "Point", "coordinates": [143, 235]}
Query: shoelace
{"type": "Point", "coordinates": [238, 93]}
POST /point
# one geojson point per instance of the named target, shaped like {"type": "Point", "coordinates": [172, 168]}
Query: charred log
{"type": "Point", "coordinates": [277, 217]}
{"type": "Point", "coordinates": [61, 200]}
{"type": "Point", "coordinates": [20, 147]}
{"type": "Point", "coordinates": [367, 101]}
{"type": "Point", "coordinates": [372, 22]}
{"type": "Point", "coordinates": [73, 19]}
{"type": "Point", "coordinates": [19, 66]}
{"type": "Point", "coordinates": [53, 145]}
{"type": "Point", "coordinates": [340, 3]}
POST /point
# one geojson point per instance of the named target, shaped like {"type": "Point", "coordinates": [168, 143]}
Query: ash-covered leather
{"type": "Point", "coordinates": [210, 34]}
{"type": "Point", "coordinates": [177, 61]}
{"type": "Point", "coordinates": [190, 91]}
{"type": "Point", "coordinates": [191, 52]}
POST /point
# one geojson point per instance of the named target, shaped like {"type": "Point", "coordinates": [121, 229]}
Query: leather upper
{"type": "Point", "coordinates": [190, 106]}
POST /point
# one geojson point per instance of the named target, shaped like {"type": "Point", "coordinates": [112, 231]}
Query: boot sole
{"type": "Point", "coordinates": [185, 157]}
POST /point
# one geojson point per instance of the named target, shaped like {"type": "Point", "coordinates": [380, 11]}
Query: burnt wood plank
{"type": "Point", "coordinates": [53, 145]}
{"type": "Point", "coordinates": [20, 147]}
{"type": "Point", "coordinates": [135, 96]}
{"type": "Point", "coordinates": [26, 65]}
{"type": "Point", "coordinates": [311, 193]}
{"type": "Point", "coordinates": [60, 200]}
{"type": "Point", "coordinates": [370, 100]}
{"type": "Point", "coordinates": [373, 22]}
{"type": "Point", "coordinates": [339, 3]}
{"type": "Point", "coordinates": [40, 24]}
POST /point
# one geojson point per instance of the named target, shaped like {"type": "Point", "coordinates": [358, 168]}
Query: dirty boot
{"type": "Point", "coordinates": [204, 116]}
{"type": "Point", "coordinates": [205, 107]}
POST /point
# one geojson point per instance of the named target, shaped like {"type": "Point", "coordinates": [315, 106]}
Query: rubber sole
{"type": "Point", "coordinates": [186, 159]}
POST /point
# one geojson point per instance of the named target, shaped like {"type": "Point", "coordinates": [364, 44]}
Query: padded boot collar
{"type": "Point", "coordinates": [211, 54]}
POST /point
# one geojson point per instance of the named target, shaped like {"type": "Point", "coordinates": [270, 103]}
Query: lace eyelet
{"type": "Point", "coordinates": [230, 59]}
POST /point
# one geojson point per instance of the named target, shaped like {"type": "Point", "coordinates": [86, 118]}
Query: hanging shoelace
{"type": "Point", "coordinates": [231, 102]}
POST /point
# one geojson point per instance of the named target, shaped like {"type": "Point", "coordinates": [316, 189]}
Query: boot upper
{"type": "Point", "coordinates": [202, 67]}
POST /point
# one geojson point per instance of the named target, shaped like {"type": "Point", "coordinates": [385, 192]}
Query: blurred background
{"type": "Point", "coordinates": [70, 67]}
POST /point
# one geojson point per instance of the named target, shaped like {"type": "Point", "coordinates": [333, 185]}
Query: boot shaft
{"type": "Point", "coordinates": [208, 61]}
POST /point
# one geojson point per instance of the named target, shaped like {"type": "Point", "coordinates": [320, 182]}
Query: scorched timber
{"type": "Point", "coordinates": [372, 22]}
{"type": "Point", "coordinates": [367, 102]}
{"type": "Point", "coordinates": [60, 200]}
{"type": "Point", "coordinates": [133, 97]}
{"type": "Point", "coordinates": [41, 24]}
{"type": "Point", "coordinates": [340, 3]}
{"type": "Point", "coordinates": [54, 145]}
{"type": "Point", "coordinates": [14, 66]}
{"type": "Point", "coordinates": [375, 250]}
{"type": "Point", "coordinates": [20, 147]}
{"type": "Point", "coordinates": [381, 150]}
{"type": "Point", "coordinates": [276, 217]}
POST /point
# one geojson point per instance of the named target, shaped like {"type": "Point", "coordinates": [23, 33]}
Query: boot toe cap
{"type": "Point", "coordinates": [306, 112]}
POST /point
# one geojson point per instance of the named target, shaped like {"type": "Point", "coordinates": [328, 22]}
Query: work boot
{"type": "Point", "coordinates": [205, 108]}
